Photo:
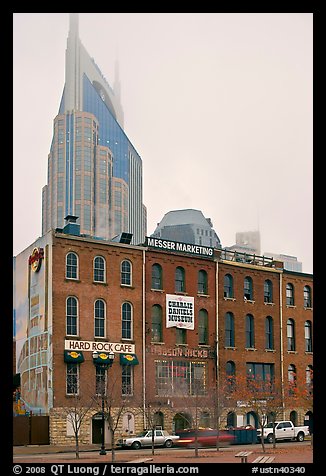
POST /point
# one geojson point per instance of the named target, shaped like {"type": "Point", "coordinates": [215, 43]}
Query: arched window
{"type": "Point", "coordinates": [307, 296]}
{"type": "Point", "coordinates": [180, 280]}
{"type": "Point", "coordinates": [228, 286]}
{"type": "Point", "coordinates": [99, 318]}
{"type": "Point", "coordinates": [290, 330]}
{"type": "Point", "coordinates": [248, 288]}
{"type": "Point", "coordinates": [308, 336]}
{"type": "Point", "coordinates": [268, 291]}
{"type": "Point", "coordinates": [292, 378]}
{"type": "Point", "coordinates": [99, 269]}
{"type": "Point", "coordinates": [229, 330]}
{"type": "Point", "coordinates": [203, 327]}
{"type": "Point", "coordinates": [250, 332]}
{"type": "Point", "coordinates": [309, 379]}
{"type": "Point", "coordinates": [157, 324]}
{"type": "Point", "coordinates": [269, 338]}
{"type": "Point", "coordinates": [126, 320]}
{"type": "Point", "coordinates": [126, 270]}
{"type": "Point", "coordinates": [71, 266]}
{"type": "Point", "coordinates": [157, 276]}
{"type": "Point", "coordinates": [71, 316]}
{"type": "Point", "coordinates": [230, 376]}
{"type": "Point", "coordinates": [289, 294]}
{"type": "Point", "coordinates": [202, 282]}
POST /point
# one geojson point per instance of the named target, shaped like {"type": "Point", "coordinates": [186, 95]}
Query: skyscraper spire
{"type": "Point", "coordinates": [74, 24]}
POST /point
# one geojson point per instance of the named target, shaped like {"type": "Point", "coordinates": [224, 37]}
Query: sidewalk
{"type": "Point", "coordinates": [301, 453]}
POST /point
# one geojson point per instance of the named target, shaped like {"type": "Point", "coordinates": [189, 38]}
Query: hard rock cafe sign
{"type": "Point", "coordinates": [35, 259]}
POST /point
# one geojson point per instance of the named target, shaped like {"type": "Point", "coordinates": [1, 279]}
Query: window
{"type": "Point", "coordinates": [289, 294]}
{"type": "Point", "coordinates": [268, 291]}
{"type": "Point", "coordinates": [180, 280]}
{"type": "Point", "coordinates": [101, 380]}
{"type": "Point", "coordinates": [99, 269]}
{"type": "Point", "coordinates": [250, 332]}
{"type": "Point", "coordinates": [260, 372]}
{"type": "Point", "coordinates": [230, 375]}
{"type": "Point", "coordinates": [229, 329]}
{"type": "Point", "coordinates": [248, 289]}
{"type": "Point", "coordinates": [181, 336]}
{"type": "Point", "coordinates": [157, 275]}
{"type": "Point", "coordinates": [307, 296]}
{"type": "Point", "coordinates": [72, 379]}
{"type": "Point", "coordinates": [202, 282]}
{"type": "Point", "coordinates": [126, 320]}
{"type": "Point", "coordinates": [269, 338]}
{"type": "Point", "coordinates": [126, 273]}
{"type": "Point", "coordinates": [99, 318]}
{"type": "Point", "coordinates": [157, 324]}
{"type": "Point", "coordinates": [309, 379]}
{"type": "Point", "coordinates": [203, 327]}
{"type": "Point", "coordinates": [228, 286]}
{"type": "Point", "coordinates": [72, 266]}
{"type": "Point", "coordinates": [181, 378]}
{"type": "Point", "coordinates": [127, 380]}
{"type": "Point", "coordinates": [292, 379]}
{"type": "Point", "coordinates": [308, 336]}
{"type": "Point", "coordinates": [71, 316]}
{"type": "Point", "coordinates": [290, 331]}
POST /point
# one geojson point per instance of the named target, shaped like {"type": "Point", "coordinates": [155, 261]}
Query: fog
{"type": "Point", "coordinates": [218, 105]}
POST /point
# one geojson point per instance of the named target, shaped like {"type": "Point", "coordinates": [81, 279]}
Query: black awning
{"type": "Point", "coordinates": [128, 359]}
{"type": "Point", "coordinates": [73, 357]}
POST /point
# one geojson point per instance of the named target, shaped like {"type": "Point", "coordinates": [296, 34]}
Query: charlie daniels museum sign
{"type": "Point", "coordinates": [168, 245]}
{"type": "Point", "coordinates": [180, 311]}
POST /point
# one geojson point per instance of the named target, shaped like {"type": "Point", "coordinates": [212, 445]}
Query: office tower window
{"type": "Point", "coordinates": [71, 316]}
{"type": "Point", "coordinates": [99, 318]}
{"type": "Point", "coordinates": [71, 266]}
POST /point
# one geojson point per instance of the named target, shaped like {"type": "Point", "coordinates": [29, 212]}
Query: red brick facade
{"type": "Point", "coordinates": [164, 359]}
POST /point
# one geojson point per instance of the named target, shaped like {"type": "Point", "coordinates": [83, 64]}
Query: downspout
{"type": "Point", "coordinates": [144, 342]}
{"type": "Point", "coordinates": [281, 342]}
{"type": "Point", "coordinates": [217, 341]}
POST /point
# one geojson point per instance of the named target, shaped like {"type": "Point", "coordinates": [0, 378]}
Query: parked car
{"type": "Point", "coordinates": [284, 430]}
{"type": "Point", "coordinates": [161, 438]}
{"type": "Point", "coordinates": [205, 437]}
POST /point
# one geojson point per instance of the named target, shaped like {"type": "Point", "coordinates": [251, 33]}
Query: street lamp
{"type": "Point", "coordinates": [103, 362]}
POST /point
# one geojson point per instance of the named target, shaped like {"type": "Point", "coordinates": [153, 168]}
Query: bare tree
{"type": "Point", "coordinates": [80, 405]}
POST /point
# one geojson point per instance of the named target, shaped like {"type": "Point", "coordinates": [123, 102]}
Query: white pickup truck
{"type": "Point", "coordinates": [284, 430]}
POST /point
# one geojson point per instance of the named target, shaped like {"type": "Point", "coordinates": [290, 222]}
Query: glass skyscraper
{"type": "Point", "coordinates": [94, 172]}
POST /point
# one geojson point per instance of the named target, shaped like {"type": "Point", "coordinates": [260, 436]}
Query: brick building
{"type": "Point", "coordinates": [178, 320]}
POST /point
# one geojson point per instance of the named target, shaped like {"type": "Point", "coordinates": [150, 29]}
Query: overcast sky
{"type": "Point", "coordinates": [218, 105]}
